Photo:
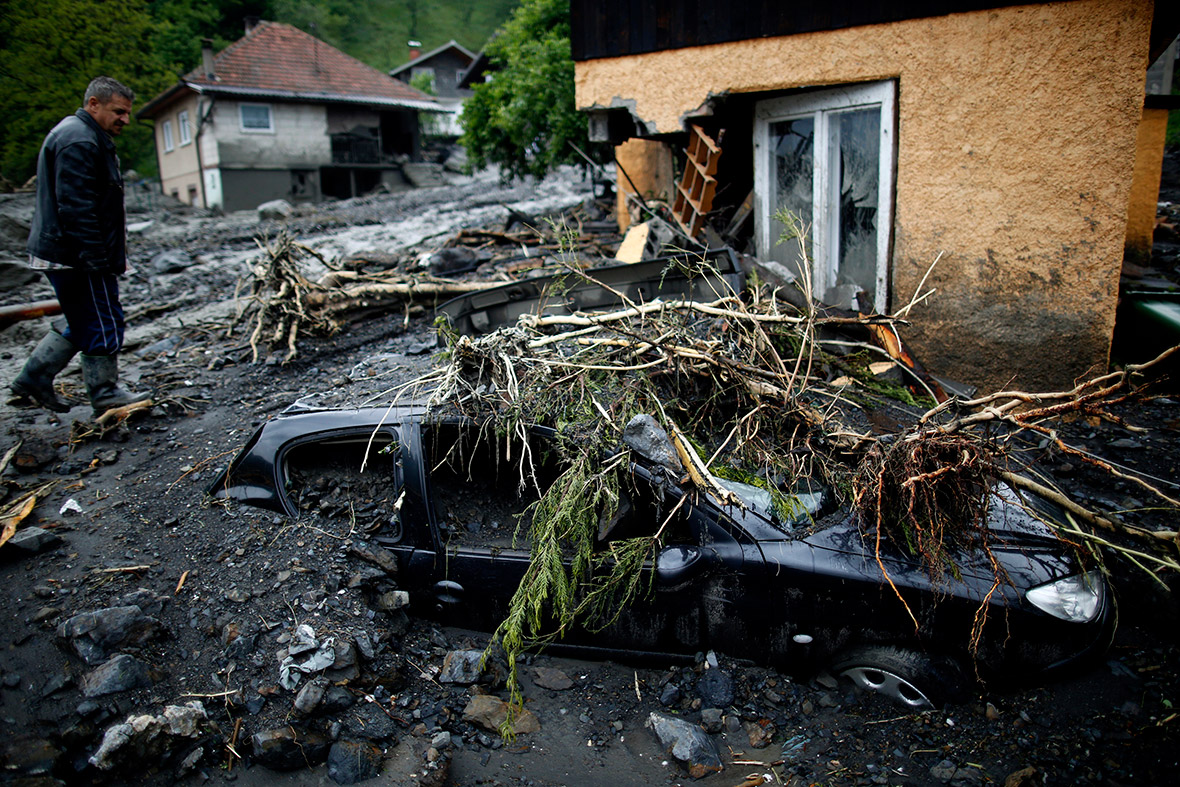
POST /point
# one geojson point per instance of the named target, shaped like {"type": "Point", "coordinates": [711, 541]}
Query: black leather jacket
{"type": "Point", "coordinates": [79, 220]}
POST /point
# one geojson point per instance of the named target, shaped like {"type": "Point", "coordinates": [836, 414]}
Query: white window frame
{"type": "Point", "coordinates": [270, 116]}
{"type": "Point", "coordinates": [186, 136]}
{"type": "Point", "coordinates": [820, 105]}
{"type": "Point", "coordinates": [166, 132]}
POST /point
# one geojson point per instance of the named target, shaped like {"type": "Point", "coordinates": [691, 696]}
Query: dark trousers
{"type": "Point", "coordinates": [90, 304]}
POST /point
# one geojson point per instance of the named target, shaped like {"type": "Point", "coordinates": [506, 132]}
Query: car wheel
{"type": "Point", "coordinates": [914, 679]}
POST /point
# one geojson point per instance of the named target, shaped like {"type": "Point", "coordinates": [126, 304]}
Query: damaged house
{"type": "Point", "coordinates": [281, 114]}
{"type": "Point", "coordinates": [1000, 140]}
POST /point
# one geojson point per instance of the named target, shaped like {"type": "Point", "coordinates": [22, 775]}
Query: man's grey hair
{"type": "Point", "coordinates": [105, 88]}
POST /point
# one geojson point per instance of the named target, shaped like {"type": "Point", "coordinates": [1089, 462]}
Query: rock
{"type": "Point", "coordinates": [120, 673]}
{"type": "Point", "coordinates": [715, 688]}
{"type": "Point", "coordinates": [350, 762]}
{"type": "Point", "coordinates": [491, 712]}
{"type": "Point", "coordinates": [185, 720]}
{"type": "Point", "coordinates": [760, 733]}
{"type": "Point", "coordinates": [288, 749]}
{"type": "Point", "coordinates": [309, 697]}
{"type": "Point", "coordinates": [944, 771]}
{"type": "Point", "coordinates": [148, 602]}
{"type": "Point", "coordinates": [644, 435]}
{"type": "Point", "coordinates": [95, 635]}
{"type": "Point", "coordinates": [336, 699]}
{"type": "Point", "coordinates": [172, 261]}
{"type": "Point", "coordinates": [711, 720]}
{"type": "Point", "coordinates": [344, 662]}
{"type": "Point", "coordinates": [392, 600]}
{"type": "Point", "coordinates": [552, 679]}
{"type": "Point", "coordinates": [451, 261]}
{"type": "Point", "coordinates": [146, 738]}
{"type": "Point", "coordinates": [27, 755]}
{"type": "Point", "coordinates": [276, 209]}
{"type": "Point", "coordinates": [1025, 777]}
{"type": "Point", "coordinates": [462, 667]}
{"type": "Point", "coordinates": [441, 741]}
{"type": "Point", "coordinates": [34, 539]}
{"type": "Point", "coordinates": [688, 744]}
{"type": "Point", "coordinates": [670, 695]}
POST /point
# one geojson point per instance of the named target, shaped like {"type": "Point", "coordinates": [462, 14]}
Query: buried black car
{"type": "Point", "coordinates": [445, 496]}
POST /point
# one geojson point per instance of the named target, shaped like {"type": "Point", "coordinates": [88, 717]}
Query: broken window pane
{"type": "Point", "coordinates": [794, 144]}
{"type": "Point", "coordinates": [856, 146]}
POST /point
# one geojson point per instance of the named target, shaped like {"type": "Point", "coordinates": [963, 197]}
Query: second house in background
{"type": "Point", "coordinates": [281, 114]}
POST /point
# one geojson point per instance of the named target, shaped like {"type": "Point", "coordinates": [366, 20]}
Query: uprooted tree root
{"type": "Point", "coordinates": [283, 304]}
{"type": "Point", "coordinates": [278, 297]}
{"type": "Point", "coordinates": [930, 493]}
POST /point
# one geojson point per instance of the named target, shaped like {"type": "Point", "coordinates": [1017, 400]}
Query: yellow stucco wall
{"type": "Point", "coordinates": [1145, 186]}
{"type": "Point", "coordinates": [1016, 142]}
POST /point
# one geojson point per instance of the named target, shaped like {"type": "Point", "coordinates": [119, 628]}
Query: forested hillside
{"type": "Point", "coordinates": [50, 49]}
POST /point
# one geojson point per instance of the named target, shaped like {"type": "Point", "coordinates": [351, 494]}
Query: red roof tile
{"type": "Point", "coordinates": [276, 59]}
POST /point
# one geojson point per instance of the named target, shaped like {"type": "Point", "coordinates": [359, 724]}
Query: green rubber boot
{"type": "Point", "coordinates": [101, 374]}
{"type": "Point", "coordinates": [35, 380]}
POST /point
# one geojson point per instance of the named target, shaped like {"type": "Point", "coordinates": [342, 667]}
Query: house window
{"type": "Point", "coordinates": [826, 158]}
{"type": "Point", "coordinates": [182, 123]}
{"type": "Point", "coordinates": [167, 132]}
{"type": "Point", "coordinates": [256, 118]}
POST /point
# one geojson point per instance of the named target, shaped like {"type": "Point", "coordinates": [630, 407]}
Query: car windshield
{"type": "Point", "coordinates": [785, 511]}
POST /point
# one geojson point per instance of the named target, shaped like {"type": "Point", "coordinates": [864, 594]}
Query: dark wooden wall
{"type": "Point", "coordinates": [611, 28]}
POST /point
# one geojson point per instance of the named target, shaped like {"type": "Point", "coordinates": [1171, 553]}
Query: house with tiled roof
{"type": "Point", "coordinates": [281, 114]}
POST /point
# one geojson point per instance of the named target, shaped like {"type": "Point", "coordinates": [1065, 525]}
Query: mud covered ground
{"type": "Point", "coordinates": [231, 591]}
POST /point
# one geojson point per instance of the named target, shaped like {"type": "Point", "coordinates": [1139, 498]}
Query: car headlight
{"type": "Point", "coordinates": [1076, 599]}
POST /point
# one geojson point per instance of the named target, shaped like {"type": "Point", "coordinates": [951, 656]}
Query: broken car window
{"type": "Point", "coordinates": [325, 480]}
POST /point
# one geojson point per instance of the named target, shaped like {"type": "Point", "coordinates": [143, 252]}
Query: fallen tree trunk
{"type": "Point", "coordinates": [10, 315]}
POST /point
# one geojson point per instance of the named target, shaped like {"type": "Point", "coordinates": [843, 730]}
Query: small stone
{"type": "Point", "coordinates": [350, 762]}
{"type": "Point", "coordinates": [121, 673]}
{"type": "Point", "coordinates": [715, 688]}
{"type": "Point", "coordinates": [34, 539]}
{"type": "Point", "coordinates": [688, 744]}
{"type": "Point", "coordinates": [943, 771]}
{"type": "Point", "coordinates": [285, 749]}
{"type": "Point", "coordinates": [991, 713]}
{"type": "Point", "coordinates": [552, 679]}
{"type": "Point", "coordinates": [711, 720]}
{"type": "Point", "coordinates": [490, 712]}
{"type": "Point", "coordinates": [760, 733]}
{"type": "Point", "coordinates": [309, 697]}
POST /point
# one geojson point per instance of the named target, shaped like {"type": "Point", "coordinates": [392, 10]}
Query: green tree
{"type": "Point", "coordinates": [525, 118]}
{"type": "Point", "coordinates": [49, 52]}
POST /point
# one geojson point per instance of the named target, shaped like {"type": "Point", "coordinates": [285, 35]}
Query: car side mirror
{"type": "Point", "coordinates": [681, 563]}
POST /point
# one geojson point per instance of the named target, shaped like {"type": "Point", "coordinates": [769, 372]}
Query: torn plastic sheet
{"type": "Point", "coordinates": [290, 668]}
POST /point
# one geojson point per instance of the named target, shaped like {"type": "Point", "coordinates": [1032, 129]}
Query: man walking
{"type": "Point", "coordinates": [79, 239]}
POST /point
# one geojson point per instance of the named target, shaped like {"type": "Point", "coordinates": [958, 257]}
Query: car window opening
{"type": "Point", "coordinates": [324, 480]}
